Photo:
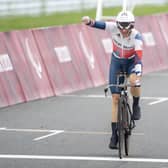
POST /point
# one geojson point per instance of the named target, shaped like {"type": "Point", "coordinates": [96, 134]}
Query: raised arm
{"type": "Point", "coordinates": [108, 26]}
{"type": "Point", "coordinates": [91, 22]}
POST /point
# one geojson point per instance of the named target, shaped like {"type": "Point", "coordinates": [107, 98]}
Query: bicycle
{"type": "Point", "coordinates": [126, 122]}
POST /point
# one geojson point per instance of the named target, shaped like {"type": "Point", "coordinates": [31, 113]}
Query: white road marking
{"type": "Point", "coordinates": [159, 101]}
{"type": "Point", "coordinates": [26, 130]}
{"type": "Point", "coordinates": [98, 133]}
{"type": "Point", "coordinates": [3, 128]}
{"type": "Point", "coordinates": [46, 136]}
{"type": "Point", "coordinates": [54, 132]}
{"type": "Point", "coordinates": [84, 158]}
{"type": "Point", "coordinates": [156, 99]}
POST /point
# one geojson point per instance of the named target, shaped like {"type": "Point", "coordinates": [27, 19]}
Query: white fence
{"type": "Point", "coordinates": [36, 7]}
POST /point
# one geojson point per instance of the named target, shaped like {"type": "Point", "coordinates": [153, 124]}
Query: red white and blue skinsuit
{"type": "Point", "coordinates": [127, 52]}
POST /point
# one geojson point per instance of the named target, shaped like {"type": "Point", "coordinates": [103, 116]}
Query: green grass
{"type": "Point", "coordinates": [25, 22]}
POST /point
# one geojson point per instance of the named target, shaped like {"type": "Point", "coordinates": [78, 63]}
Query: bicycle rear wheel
{"type": "Point", "coordinates": [121, 127]}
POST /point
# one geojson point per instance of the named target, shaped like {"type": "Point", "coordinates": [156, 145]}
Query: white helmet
{"type": "Point", "coordinates": [125, 20]}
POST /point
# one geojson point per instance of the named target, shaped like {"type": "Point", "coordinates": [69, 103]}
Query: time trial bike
{"type": "Point", "coordinates": [125, 122]}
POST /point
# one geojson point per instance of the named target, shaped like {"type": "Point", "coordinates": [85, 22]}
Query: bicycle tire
{"type": "Point", "coordinates": [127, 144]}
{"type": "Point", "coordinates": [127, 132]}
{"type": "Point", "coordinates": [120, 127]}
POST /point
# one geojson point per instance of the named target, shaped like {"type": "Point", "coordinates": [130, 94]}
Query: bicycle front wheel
{"type": "Point", "coordinates": [127, 119]}
{"type": "Point", "coordinates": [121, 127]}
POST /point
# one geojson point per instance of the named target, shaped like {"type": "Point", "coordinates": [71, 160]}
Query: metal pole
{"type": "Point", "coordinates": [99, 9]}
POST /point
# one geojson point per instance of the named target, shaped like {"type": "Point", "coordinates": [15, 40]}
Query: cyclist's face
{"type": "Point", "coordinates": [124, 32]}
{"type": "Point", "coordinates": [124, 27]}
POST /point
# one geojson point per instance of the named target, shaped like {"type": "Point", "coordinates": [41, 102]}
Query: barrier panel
{"type": "Point", "coordinates": [88, 57]}
{"type": "Point", "coordinates": [155, 55]}
{"type": "Point", "coordinates": [35, 79]}
{"type": "Point", "coordinates": [46, 62]}
{"type": "Point", "coordinates": [99, 64]}
{"type": "Point", "coordinates": [70, 57]}
{"type": "Point", "coordinates": [149, 44]}
{"type": "Point", "coordinates": [31, 78]}
{"type": "Point", "coordinates": [11, 91]}
{"type": "Point", "coordinates": [162, 39]}
{"type": "Point", "coordinates": [57, 55]}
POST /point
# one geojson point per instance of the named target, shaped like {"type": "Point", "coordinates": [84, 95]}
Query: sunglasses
{"type": "Point", "coordinates": [125, 25]}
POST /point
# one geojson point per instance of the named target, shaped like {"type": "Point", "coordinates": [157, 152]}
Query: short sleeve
{"type": "Point", "coordinates": [111, 27]}
{"type": "Point", "coordinates": [138, 41]}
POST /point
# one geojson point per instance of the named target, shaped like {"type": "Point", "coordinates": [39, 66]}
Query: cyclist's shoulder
{"type": "Point", "coordinates": [136, 34]}
{"type": "Point", "coordinates": [111, 26]}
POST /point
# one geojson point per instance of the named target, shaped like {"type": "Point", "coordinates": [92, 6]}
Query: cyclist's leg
{"type": "Point", "coordinates": [114, 69]}
{"type": "Point", "coordinates": [114, 124]}
{"type": "Point", "coordinates": [134, 78]}
{"type": "Point", "coordinates": [135, 91]}
{"type": "Point", "coordinates": [115, 98]}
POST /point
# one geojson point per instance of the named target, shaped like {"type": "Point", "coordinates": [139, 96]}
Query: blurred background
{"type": "Point", "coordinates": [21, 14]}
{"type": "Point", "coordinates": [38, 7]}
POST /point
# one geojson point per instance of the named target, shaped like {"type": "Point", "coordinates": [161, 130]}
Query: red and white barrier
{"type": "Point", "coordinates": [27, 64]}
{"type": "Point", "coordinates": [41, 63]}
{"type": "Point", "coordinates": [155, 45]}
{"type": "Point", "coordinates": [11, 91]}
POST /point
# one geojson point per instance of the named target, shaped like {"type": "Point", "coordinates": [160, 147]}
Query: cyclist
{"type": "Point", "coordinates": [126, 56]}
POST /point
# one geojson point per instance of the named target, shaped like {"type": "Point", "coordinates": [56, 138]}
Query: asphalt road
{"type": "Point", "coordinates": [74, 131]}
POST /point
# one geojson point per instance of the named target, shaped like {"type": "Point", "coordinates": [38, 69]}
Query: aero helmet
{"type": "Point", "coordinates": [125, 20]}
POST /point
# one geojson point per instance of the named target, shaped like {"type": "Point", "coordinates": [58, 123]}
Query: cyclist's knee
{"type": "Point", "coordinates": [133, 79]}
{"type": "Point", "coordinates": [115, 98]}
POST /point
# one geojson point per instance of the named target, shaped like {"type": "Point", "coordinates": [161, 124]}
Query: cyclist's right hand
{"type": "Point", "coordinates": [86, 19]}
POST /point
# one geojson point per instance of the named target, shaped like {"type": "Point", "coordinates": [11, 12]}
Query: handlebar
{"type": "Point", "coordinates": [123, 86]}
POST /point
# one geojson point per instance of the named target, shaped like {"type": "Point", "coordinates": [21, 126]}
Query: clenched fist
{"type": "Point", "coordinates": [86, 20]}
